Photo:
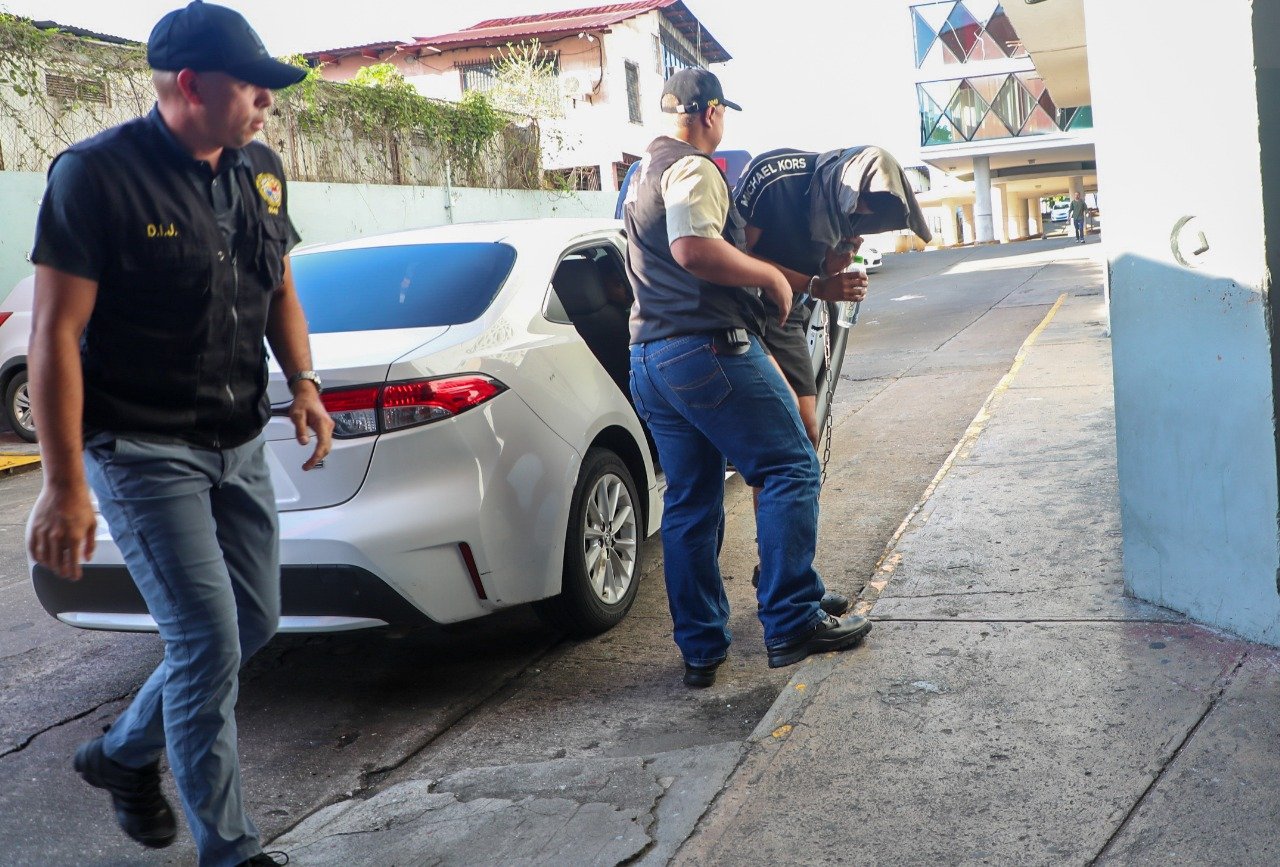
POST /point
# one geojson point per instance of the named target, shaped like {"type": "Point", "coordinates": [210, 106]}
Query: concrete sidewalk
{"type": "Point", "coordinates": [1011, 705]}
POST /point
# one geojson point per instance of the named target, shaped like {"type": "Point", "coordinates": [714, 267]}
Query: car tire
{"type": "Point", "coordinates": [601, 572]}
{"type": "Point", "coordinates": [17, 407]}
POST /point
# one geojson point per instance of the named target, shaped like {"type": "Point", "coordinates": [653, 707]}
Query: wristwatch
{"type": "Point", "coordinates": [309, 375]}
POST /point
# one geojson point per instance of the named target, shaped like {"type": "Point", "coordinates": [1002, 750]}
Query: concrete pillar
{"type": "Point", "coordinates": [950, 235]}
{"type": "Point", "coordinates": [1197, 372]}
{"type": "Point", "coordinates": [1023, 217]}
{"type": "Point", "coordinates": [967, 230]}
{"type": "Point", "coordinates": [1077, 186]}
{"type": "Point", "coordinates": [1000, 211]}
{"type": "Point", "coordinates": [983, 228]}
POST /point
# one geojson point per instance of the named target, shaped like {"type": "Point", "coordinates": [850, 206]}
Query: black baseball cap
{"type": "Point", "coordinates": [210, 38]}
{"type": "Point", "coordinates": [694, 90]}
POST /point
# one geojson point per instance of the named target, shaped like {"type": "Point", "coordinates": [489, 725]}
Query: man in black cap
{"type": "Point", "coordinates": [701, 380]}
{"type": "Point", "coordinates": [161, 257]}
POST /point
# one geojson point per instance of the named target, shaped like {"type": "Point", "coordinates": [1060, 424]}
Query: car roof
{"type": "Point", "coordinates": [519, 233]}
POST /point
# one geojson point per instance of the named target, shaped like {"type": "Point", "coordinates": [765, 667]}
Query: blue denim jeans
{"type": "Point", "coordinates": [703, 407]}
{"type": "Point", "coordinates": [197, 528]}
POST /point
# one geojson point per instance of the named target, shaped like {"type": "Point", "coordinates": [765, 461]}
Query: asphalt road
{"type": "Point", "coordinates": [323, 717]}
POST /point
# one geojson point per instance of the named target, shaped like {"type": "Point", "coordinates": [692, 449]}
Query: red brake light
{"type": "Point", "coordinates": [369, 410]}
{"type": "Point", "coordinates": [4, 314]}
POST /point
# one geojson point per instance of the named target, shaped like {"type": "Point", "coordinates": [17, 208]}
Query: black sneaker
{"type": "Point", "coordinates": [830, 634]}
{"type": "Point", "coordinates": [266, 859]}
{"type": "Point", "coordinates": [832, 603]}
{"type": "Point", "coordinates": [141, 808]}
{"type": "Point", "coordinates": [700, 676]}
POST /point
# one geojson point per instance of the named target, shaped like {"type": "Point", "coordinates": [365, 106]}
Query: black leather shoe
{"type": "Point", "coordinates": [700, 676]}
{"type": "Point", "coordinates": [266, 859]}
{"type": "Point", "coordinates": [141, 808]}
{"type": "Point", "coordinates": [832, 603]}
{"type": "Point", "coordinates": [831, 634]}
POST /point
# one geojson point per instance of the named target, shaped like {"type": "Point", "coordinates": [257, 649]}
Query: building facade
{"type": "Point", "coordinates": [1002, 139]}
{"type": "Point", "coordinates": [610, 64]}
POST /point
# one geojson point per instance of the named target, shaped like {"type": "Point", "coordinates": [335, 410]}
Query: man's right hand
{"type": "Point", "coordinates": [60, 533]}
{"type": "Point", "coordinates": [779, 292]}
{"type": "Point", "coordinates": [845, 286]}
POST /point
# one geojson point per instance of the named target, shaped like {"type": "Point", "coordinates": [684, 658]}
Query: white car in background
{"type": "Point", "coordinates": [1060, 213]}
{"type": "Point", "coordinates": [486, 450]}
{"type": "Point", "coordinates": [15, 332]}
{"type": "Point", "coordinates": [871, 257]}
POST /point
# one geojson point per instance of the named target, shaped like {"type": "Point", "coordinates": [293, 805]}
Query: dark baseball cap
{"type": "Point", "coordinates": [210, 38]}
{"type": "Point", "coordinates": [694, 90]}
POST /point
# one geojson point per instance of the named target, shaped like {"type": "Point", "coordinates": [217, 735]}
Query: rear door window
{"type": "Point", "coordinates": [410, 286]}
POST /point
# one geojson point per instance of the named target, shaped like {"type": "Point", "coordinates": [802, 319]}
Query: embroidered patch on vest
{"type": "Point", "coordinates": [271, 190]}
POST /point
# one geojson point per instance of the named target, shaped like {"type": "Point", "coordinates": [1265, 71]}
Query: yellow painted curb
{"type": "Point", "coordinates": [9, 463]}
{"type": "Point", "coordinates": [889, 560]}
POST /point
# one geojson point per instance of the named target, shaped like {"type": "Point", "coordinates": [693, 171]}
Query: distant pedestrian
{"type": "Point", "coordinates": [161, 257]}
{"type": "Point", "coordinates": [1078, 211]}
{"type": "Point", "coordinates": [701, 379]}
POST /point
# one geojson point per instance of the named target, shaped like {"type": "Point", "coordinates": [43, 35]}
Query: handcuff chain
{"type": "Point", "coordinates": [831, 393]}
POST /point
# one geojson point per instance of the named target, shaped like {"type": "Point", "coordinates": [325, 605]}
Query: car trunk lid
{"type": "Point", "coordinates": [343, 360]}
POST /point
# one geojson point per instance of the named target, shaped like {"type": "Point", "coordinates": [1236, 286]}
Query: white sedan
{"type": "Point", "coordinates": [486, 451]}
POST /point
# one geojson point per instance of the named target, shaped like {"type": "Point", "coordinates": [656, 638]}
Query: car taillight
{"type": "Point", "coordinates": [374, 409]}
{"type": "Point", "coordinates": [4, 314]}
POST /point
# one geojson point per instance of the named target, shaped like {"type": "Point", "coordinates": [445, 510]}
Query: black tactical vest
{"type": "Point", "coordinates": [174, 346]}
{"type": "Point", "coordinates": [670, 300]}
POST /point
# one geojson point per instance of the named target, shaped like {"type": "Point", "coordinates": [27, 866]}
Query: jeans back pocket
{"type": "Point", "coordinates": [696, 378]}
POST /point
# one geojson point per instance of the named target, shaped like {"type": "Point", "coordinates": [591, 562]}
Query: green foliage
{"type": "Point", "coordinates": [378, 101]}
{"type": "Point", "coordinates": [384, 76]}
{"type": "Point", "coordinates": [527, 81]}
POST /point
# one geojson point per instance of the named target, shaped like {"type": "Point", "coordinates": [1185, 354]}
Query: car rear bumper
{"type": "Point", "coordinates": [314, 598]}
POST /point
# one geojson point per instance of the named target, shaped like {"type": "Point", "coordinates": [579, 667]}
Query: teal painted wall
{"type": "Point", "coordinates": [1195, 374]}
{"type": "Point", "coordinates": [322, 212]}
{"type": "Point", "coordinates": [1196, 445]}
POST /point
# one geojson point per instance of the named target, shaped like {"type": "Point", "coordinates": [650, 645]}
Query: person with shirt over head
{"type": "Point", "coordinates": [161, 256]}
{"type": "Point", "coordinates": [703, 383]}
{"type": "Point", "coordinates": [793, 214]}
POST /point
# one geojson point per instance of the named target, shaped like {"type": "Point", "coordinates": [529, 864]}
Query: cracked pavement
{"type": "Point", "coordinates": [467, 717]}
{"type": "Point", "coordinates": [1013, 706]}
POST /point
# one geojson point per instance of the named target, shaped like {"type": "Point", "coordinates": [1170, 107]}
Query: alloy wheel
{"type": "Point", "coordinates": [609, 539]}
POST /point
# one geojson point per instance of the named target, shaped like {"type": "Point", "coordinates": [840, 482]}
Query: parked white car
{"type": "Point", "coordinates": [1060, 213]}
{"type": "Point", "coordinates": [486, 452]}
{"type": "Point", "coordinates": [15, 331]}
{"type": "Point", "coordinates": [872, 257]}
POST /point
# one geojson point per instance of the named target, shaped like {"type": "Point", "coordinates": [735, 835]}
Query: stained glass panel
{"type": "Point", "coordinates": [987, 86]}
{"type": "Point", "coordinates": [925, 36]}
{"type": "Point", "coordinates": [944, 133]}
{"type": "Point", "coordinates": [1039, 123]}
{"type": "Point", "coordinates": [991, 127]}
{"type": "Point", "coordinates": [966, 109]}
{"type": "Point", "coordinates": [1083, 118]}
{"type": "Point", "coordinates": [961, 31]}
{"type": "Point", "coordinates": [934, 14]}
{"type": "Point", "coordinates": [999, 29]}
{"type": "Point", "coordinates": [987, 49]}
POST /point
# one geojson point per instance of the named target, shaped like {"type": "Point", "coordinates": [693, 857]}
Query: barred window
{"type": "Point", "coordinates": [478, 76]}
{"type": "Point", "coordinates": [633, 92]}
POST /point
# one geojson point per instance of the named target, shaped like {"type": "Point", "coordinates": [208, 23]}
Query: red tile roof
{"type": "Point", "coordinates": [554, 25]}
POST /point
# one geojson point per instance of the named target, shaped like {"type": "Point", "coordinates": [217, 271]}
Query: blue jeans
{"type": "Point", "coordinates": [197, 529]}
{"type": "Point", "coordinates": [701, 408]}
